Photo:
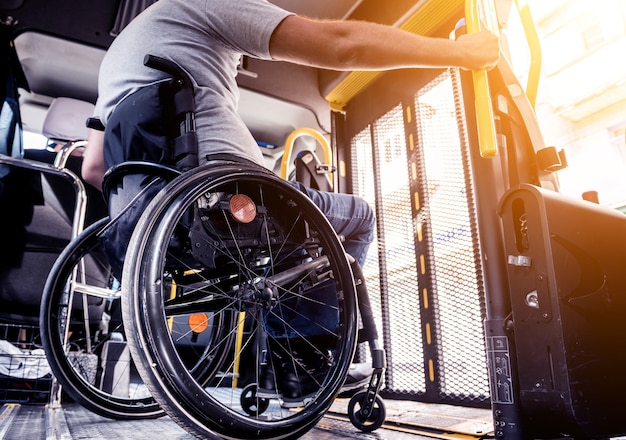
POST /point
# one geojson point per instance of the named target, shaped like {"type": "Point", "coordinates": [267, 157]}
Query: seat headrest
{"type": "Point", "coordinates": [65, 120]}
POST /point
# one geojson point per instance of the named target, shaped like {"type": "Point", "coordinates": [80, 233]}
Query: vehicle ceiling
{"type": "Point", "coordinates": [61, 43]}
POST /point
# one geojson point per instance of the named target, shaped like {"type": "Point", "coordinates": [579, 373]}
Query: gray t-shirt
{"type": "Point", "coordinates": [206, 38]}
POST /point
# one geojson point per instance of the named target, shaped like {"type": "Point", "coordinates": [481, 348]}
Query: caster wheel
{"type": "Point", "coordinates": [359, 420]}
{"type": "Point", "coordinates": [252, 404]}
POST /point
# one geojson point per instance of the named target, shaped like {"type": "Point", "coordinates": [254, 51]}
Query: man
{"type": "Point", "coordinates": [207, 39]}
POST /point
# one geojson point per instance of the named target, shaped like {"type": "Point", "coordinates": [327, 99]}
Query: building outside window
{"type": "Point", "coordinates": [581, 104]}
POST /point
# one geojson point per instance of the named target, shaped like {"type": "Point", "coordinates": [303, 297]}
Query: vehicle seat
{"type": "Point", "coordinates": [66, 120]}
{"type": "Point", "coordinates": [64, 126]}
{"type": "Point", "coordinates": [37, 214]}
{"type": "Point", "coordinates": [311, 172]}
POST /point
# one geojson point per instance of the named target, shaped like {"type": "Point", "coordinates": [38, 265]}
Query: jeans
{"type": "Point", "coordinates": [350, 216]}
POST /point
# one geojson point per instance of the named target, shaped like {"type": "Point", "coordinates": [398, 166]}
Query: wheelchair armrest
{"type": "Point", "coordinates": [114, 175]}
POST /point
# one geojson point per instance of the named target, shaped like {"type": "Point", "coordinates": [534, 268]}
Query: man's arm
{"type": "Point", "coordinates": [93, 168]}
{"type": "Point", "coordinates": [357, 45]}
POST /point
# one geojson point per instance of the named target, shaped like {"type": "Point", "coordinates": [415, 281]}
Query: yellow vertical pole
{"type": "Point", "coordinates": [238, 343]}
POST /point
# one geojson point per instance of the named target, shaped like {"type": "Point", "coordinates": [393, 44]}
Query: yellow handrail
{"type": "Point", "coordinates": [289, 143]}
{"type": "Point", "coordinates": [482, 100]}
{"type": "Point", "coordinates": [534, 72]}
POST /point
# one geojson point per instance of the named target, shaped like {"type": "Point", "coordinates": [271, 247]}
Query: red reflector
{"type": "Point", "coordinates": [198, 322]}
{"type": "Point", "coordinates": [242, 208]}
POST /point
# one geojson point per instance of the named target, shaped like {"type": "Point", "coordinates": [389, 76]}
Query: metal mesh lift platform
{"type": "Point", "coordinates": [405, 420]}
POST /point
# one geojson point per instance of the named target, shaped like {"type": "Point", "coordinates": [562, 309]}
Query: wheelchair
{"type": "Point", "coordinates": [239, 303]}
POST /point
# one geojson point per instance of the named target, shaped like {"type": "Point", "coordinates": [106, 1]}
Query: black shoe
{"type": "Point", "coordinates": [299, 389]}
{"type": "Point", "coordinates": [266, 388]}
{"type": "Point", "coordinates": [294, 390]}
{"type": "Point", "coordinates": [294, 372]}
{"type": "Point", "coordinates": [358, 377]}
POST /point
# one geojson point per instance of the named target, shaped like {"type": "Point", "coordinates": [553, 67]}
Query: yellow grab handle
{"type": "Point", "coordinates": [482, 100]}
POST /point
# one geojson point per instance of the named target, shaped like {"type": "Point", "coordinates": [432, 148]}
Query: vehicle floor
{"type": "Point", "coordinates": [405, 420]}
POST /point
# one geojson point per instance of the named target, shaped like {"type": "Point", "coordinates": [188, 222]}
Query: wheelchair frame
{"type": "Point", "coordinates": [161, 361]}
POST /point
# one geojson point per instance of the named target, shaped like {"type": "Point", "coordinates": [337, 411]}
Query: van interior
{"type": "Point", "coordinates": [491, 290]}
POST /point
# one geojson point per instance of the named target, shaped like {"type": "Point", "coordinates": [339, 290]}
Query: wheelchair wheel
{"type": "Point", "coordinates": [224, 240]}
{"type": "Point", "coordinates": [356, 412]}
{"type": "Point", "coordinates": [83, 336]}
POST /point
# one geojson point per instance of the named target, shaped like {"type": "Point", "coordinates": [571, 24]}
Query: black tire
{"type": "Point", "coordinates": [189, 255]}
{"type": "Point", "coordinates": [77, 363]}
{"type": "Point", "coordinates": [251, 403]}
{"type": "Point", "coordinates": [361, 421]}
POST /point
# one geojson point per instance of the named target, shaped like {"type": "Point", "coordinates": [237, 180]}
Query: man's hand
{"type": "Point", "coordinates": [480, 50]}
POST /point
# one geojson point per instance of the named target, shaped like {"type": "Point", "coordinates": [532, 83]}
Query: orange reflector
{"type": "Point", "coordinates": [242, 208]}
{"type": "Point", "coordinates": [198, 322]}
